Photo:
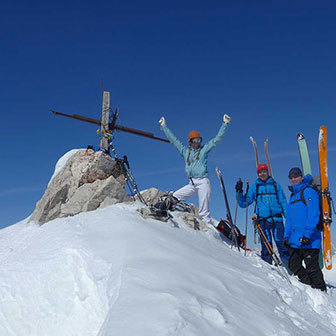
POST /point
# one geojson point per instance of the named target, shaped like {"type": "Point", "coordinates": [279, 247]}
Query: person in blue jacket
{"type": "Point", "coordinates": [196, 166]}
{"type": "Point", "coordinates": [301, 235]}
{"type": "Point", "coordinates": [270, 206]}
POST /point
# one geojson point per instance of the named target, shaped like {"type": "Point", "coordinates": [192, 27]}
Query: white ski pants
{"type": "Point", "coordinates": [202, 188]}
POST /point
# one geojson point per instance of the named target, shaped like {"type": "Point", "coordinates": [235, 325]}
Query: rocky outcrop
{"type": "Point", "coordinates": [152, 196]}
{"type": "Point", "coordinates": [86, 182]}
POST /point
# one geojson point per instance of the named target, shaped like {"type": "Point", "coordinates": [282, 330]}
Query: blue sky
{"type": "Point", "coordinates": [269, 64]}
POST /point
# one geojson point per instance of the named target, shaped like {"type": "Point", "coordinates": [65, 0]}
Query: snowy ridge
{"type": "Point", "coordinates": [112, 272]}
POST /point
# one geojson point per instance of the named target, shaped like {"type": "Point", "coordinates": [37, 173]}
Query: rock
{"type": "Point", "coordinates": [193, 221]}
{"type": "Point", "coordinates": [86, 182]}
{"type": "Point", "coordinates": [152, 196]}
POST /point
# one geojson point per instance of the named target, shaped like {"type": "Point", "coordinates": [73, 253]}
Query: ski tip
{"type": "Point", "coordinates": [322, 134]}
{"type": "Point", "coordinates": [251, 138]}
{"type": "Point", "coordinates": [218, 172]}
{"type": "Point", "coordinates": [300, 136]}
{"type": "Point", "coordinates": [323, 129]}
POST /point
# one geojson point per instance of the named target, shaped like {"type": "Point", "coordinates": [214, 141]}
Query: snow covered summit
{"type": "Point", "coordinates": [112, 272]}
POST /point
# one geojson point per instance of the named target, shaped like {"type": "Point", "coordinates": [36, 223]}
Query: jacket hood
{"type": "Point", "coordinates": [296, 188]}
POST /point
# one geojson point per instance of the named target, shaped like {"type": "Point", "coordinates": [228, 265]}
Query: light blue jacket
{"type": "Point", "coordinates": [301, 219]}
{"type": "Point", "coordinates": [269, 202]}
{"type": "Point", "coordinates": [198, 159]}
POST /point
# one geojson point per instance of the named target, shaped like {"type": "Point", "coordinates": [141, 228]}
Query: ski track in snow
{"type": "Point", "coordinates": [112, 272]}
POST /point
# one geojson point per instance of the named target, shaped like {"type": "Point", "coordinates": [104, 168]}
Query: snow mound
{"type": "Point", "coordinates": [112, 272]}
{"type": "Point", "coordinates": [62, 162]}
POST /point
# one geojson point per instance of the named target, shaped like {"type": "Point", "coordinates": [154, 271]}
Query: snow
{"type": "Point", "coordinates": [62, 162]}
{"type": "Point", "coordinates": [112, 272]}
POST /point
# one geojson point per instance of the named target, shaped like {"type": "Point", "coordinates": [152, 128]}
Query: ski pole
{"type": "Point", "coordinates": [235, 218]}
{"type": "Point", "coordinates": [269, 246]}
{"type": "Point", "coordinates": [239, 189]}
{"type": "Point", "coordinates": [275, 258]}
{"type": "Point", "coordinates": [246, 218]}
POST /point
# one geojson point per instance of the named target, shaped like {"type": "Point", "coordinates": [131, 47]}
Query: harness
{"type": "Point", "coordinates": [278, 215]}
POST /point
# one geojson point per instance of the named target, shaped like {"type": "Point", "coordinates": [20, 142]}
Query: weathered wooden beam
{"type": "Point", "coordinates": [104, 126]}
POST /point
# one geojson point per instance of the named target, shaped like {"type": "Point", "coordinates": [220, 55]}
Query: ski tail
{"type": "Point", "coordinates": [304, 154]}
{"type": "Point", "coordinates": [267, 157]}
{"type": "Point", "coordinates": [255, 150]}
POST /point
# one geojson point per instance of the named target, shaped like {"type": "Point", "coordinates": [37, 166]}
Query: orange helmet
{"type": "Point", "coordinates": [194, 134]}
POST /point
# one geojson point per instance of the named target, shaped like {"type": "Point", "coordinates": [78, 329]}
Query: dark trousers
{"type": "Point", "coordinates": [311, 274]}
{"type": "Point", "coordinates": [273, 230]}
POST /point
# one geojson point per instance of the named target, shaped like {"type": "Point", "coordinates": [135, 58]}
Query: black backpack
{"type": "Point", "coordinates": [316, 185]}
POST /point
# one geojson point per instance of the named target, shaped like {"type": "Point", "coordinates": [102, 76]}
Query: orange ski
{"type": "Point", "coordinates": [322, 147]}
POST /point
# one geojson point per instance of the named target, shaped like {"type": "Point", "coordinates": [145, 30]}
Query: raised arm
{"type": "Point", "coordinates": [211, 144]}
{"type": "Point", "coordinates": [171, 137]}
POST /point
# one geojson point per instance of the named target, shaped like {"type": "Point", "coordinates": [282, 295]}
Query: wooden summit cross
{"type": "Point", "coordinates": [106, 126]}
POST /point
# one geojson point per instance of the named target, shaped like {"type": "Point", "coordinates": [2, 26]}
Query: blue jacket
{"type": "Point", "coordinates": [269, 203]}
{"type": "Point", "coordinates": [301, 219]}
{"type": "Point", "coordinates": [198, 159]}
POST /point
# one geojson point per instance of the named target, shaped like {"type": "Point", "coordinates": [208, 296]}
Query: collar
{"type": "Point", "coordinates": [296, 188]}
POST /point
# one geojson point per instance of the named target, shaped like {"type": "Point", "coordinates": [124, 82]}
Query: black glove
{"type": "Point", "coordinates": [304, 241]}
{"type": "Point", "coordinates": [239, 186]}
{"type": "Point", "coordinates": [286, 243]}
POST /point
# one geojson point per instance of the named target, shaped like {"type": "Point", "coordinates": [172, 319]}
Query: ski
{"type": "Point", "coordinates": [322, 148]}
{"type": "Point", "coordinates": [255, 150]}
{"type": "Point", "coordinates": [267, 157]}
{"type": "Point", "coordinates": [228, 212]}
{"type": "Point", "coordinates": [306, 168]}
{"type": "Point", "coordinates": [304, 154]}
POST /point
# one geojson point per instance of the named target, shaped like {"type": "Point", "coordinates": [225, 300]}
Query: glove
{"type": "Point", "coordinates": [286, 243]}
{"type": "Point", "coordinates": [304, 241]}
{"type": "Point", "coordinates": [226, 119]}
{"type": "Point", "coordinates": [239, 186]}
{"type": "Point", "coordinates": [162, 121]}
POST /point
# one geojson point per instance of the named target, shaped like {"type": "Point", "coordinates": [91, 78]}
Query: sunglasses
{"type": "Point", "coordinates": [196, 140]}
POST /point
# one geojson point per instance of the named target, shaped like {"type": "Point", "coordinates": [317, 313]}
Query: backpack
{"type": "Point", "coordinates": [169, 202]}
{"type": "Point", "coordinates": [268, 193]}
{"type": "Point", "coordinates": [315, 185]}
{"type": "Point", "coordinates": [225, 228]}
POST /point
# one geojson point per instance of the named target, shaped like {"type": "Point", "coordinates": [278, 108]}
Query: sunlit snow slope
{"type": "Point", "coordinates": [112, 272]}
